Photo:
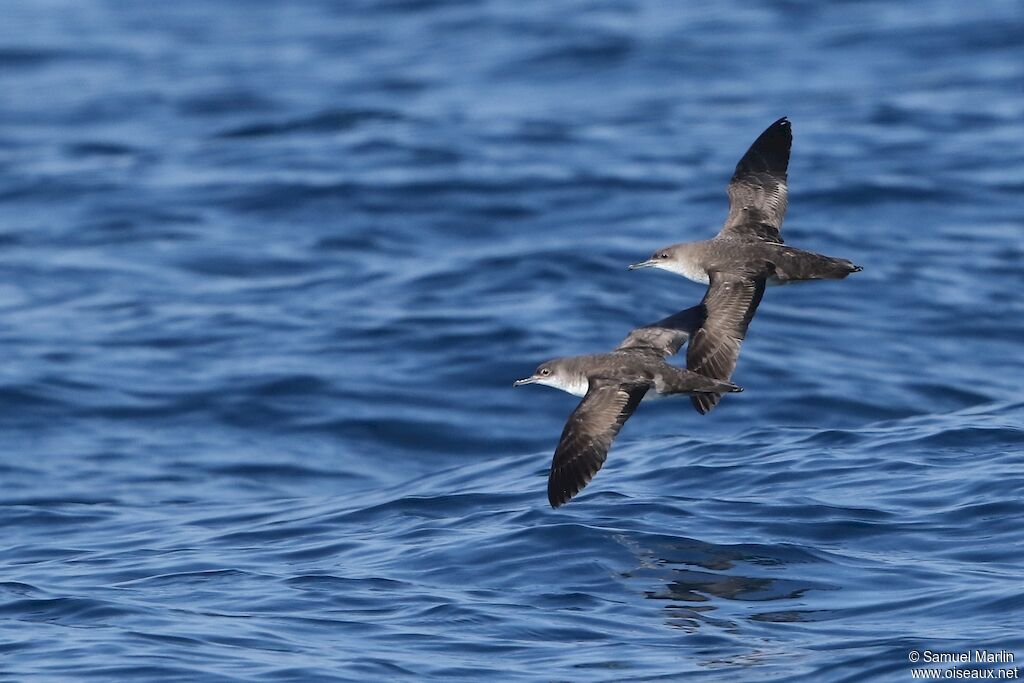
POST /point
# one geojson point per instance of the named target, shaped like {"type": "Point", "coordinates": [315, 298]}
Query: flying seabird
{"type": "Point", "coordinates": [746, 255]}
{"type": "Point", "coordinates": [612, 385]}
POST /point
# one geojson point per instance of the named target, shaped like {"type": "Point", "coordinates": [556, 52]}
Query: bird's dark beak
{"type": "Point", "coordinates": [521, 382]}
{"type": "Point", "coordinates": [649, 263]}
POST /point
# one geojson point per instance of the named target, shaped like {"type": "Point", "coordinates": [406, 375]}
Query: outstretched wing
{"type": "Point", "coordinates": [731, 301]}
{"type": "Point", "coordinates": [588, 435]}
{"type": "Point", "coordinates": [668, 335]}
{"type": "Point", "coordinates": [757, 191]}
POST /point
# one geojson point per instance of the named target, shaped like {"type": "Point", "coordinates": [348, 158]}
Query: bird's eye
{"type": "Point", "coordinates": [663, 254]}
{"type": "Point", "coordinates": [545, 372]}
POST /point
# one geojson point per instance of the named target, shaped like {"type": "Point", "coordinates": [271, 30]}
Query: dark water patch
{"type": "Point", "coordinates": [225, 103]}
{"type": "Point", "coordinates": [330, 121]}
{"type": "Point", "coordinates": [693, 586]}
{"type": "Point", "coordinates": [37, 57]}
{"type": "Point", "coordinates": [16, 588]}
{"type": "Point", "coordinates": [895, 190]}
{"type": "Point", "coordinates": [413, 6]}
{"type": "Point", "coordinates": [596, 50]}
{"type": "Point", "coordinates": [24, 396]}
{"type": "Point", "coordinates": [66, 611]}
{"type": "Point", "coordinates": [37, 502]}
{"type": "Point", "coordinates": [794, 616]}
{"type": "Point", "coordinates": [415, 154]}
{"type": "Point", "coordinates": [276, 472]}
{"type": "Point", "coordinates": [234, 265]}
{"type": "Point", "coordinates": [349, 243]}
{"type": "Point", "coordinates": [196, 577]}
{"type": "Point", "coordinates": [67, 188]}
{"type": "Point", "coordinates": [101, 149]}
{"type": "Point", "coordinates": [396, 85]}
{"type": "Point", "coordinates": [979, 437]}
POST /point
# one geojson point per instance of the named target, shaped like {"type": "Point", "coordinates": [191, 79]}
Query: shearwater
{"type": "Point", "coordinates": [612, 385]}
{"type": "Point", "coordinates": [746, 255]}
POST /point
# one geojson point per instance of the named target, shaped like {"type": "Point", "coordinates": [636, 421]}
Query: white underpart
{"type": "Point", "coordinates": [692, 271]}
{"type": "Point", "coordinates": [686, 268]}
{"type": "Point", "coordinates": [577, 386]}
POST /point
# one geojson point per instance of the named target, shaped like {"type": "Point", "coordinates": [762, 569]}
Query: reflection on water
{"type": "Point", "coordinates": [721, 577]}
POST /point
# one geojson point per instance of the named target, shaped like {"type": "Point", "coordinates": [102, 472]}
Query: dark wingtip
{"type": "Point", "coordinates": [558, 495]}
{"type": "Point", "coordinates": [770, 151]}
{"type": "Point", "coordinates": [856, 269]}
{"type": "Point", "coordinates": [782, 128]}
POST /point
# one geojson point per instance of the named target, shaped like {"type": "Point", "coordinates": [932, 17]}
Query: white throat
{"type": "Point", "coordinates": [687, 267]}
{"type": "Point", "coordinates": [576, 385]}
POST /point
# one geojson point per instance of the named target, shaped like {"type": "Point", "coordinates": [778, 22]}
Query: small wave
{"type": "Point", "coordinates": [330, 121]}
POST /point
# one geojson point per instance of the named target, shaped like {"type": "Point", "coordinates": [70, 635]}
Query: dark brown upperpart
{"type": "Point", "coordinates": [757, 191]}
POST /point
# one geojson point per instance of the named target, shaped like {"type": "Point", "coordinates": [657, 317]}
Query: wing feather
{"type": "Point", "coordinates": [588, 434]}
{"type": "Point", "coordinates": [757, 191]}
{"type": "Point", "coordinates": [731, 301]}
{"type": "Point", "coordinates": [668, 335]}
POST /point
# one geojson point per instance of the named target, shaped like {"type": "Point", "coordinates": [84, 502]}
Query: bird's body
{"type": "Point", "coordinates": [630, 366]}
{"type": "Point", "coordinates": [612, 386]}
{"type": "Point", "coordinates": [746, 256]}
{"type": "Point", "coordinates": [777, 264]}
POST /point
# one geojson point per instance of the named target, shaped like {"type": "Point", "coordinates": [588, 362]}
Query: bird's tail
{"type": "Point", "coordinates": [809, 266]}
{"type": "Point", "coordinates": [681, 381]}
{"type": "Point", "coordinates": [837, 269]}
{"type": "Point", "coordinates": [704, 401]}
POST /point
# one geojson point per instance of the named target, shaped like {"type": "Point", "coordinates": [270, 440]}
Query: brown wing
{"type": "Point", "coordinates": [668, 335]}
{"type": "Point", "coordinates": [731, 301]}
{"type": "Point", "coordinates": [757, 191]}
{"type": "Point", "coordinates": [588, 435]}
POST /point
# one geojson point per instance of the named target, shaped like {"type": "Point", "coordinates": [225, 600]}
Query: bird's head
{"type": "Point", "coordinates": [557, 373]}
{"type": "Point", "coordinates": [667, 258]}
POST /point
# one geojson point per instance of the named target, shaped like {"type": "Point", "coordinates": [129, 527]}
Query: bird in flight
{"type": "Point", "coordinates": [743, 258]}
{"type": "Point", "coordinates": [612, 386]}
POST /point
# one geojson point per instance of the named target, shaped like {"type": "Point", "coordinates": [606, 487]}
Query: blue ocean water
{"type": "Point", "coordinates": [268, 270]}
